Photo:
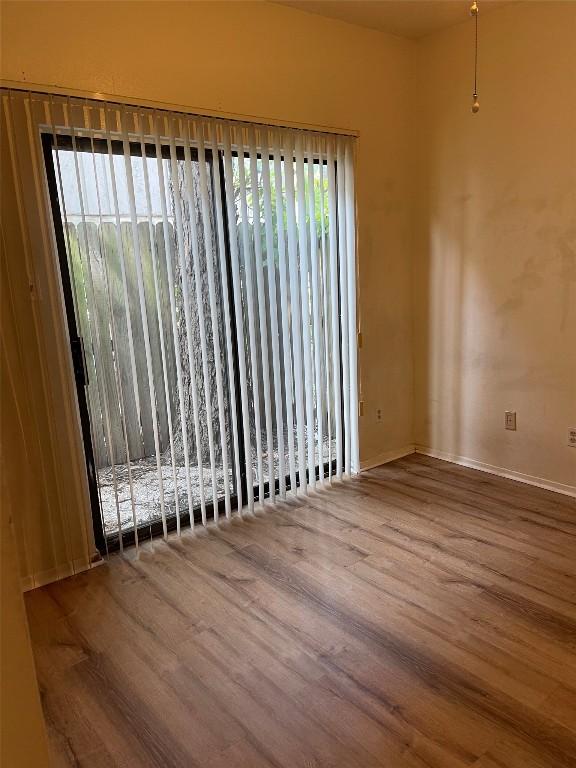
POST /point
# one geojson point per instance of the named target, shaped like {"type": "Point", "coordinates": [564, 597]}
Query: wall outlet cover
{"type": "Point", "coordinates": [572, 437]}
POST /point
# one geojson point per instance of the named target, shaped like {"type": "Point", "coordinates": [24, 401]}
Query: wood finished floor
{"type": "Point", "coordinates": [421, 615]}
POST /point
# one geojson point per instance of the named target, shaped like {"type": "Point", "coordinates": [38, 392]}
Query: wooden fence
{"type": "Point", "coordinates": [117, 395]}
{"type": "Point", "coordinates": [103, 320]}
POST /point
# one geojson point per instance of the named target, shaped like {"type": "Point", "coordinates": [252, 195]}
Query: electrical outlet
{"type": "Point", "coordinates": [379, 414]}
{"type": "Point", "coordinates": [510, 420]}
{"type": "Point", "coordinates": [572, 437]}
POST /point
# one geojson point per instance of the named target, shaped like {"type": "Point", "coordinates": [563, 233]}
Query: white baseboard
{"type": "Point", "coordinates": [387, 456]}
{"type": "Point", "coordinates": [58, 573]}
{"type": "Point", "coordinates": [549, 485]}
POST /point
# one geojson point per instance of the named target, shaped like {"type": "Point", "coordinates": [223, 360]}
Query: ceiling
{"type": "Point", "coordinates": [407, 18]}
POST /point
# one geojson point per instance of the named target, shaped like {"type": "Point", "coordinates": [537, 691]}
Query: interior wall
{"type": "Point", "coordinates": [23, 742]}
{"type": "Point", "coordinates": [273, 62]}
{"type": "Point", "coordinates": [495, 242]}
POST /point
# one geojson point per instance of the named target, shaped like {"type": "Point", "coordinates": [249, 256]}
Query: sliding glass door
{"type": "Point", "coordinates": [208, 276]}
{"type": "Point", "coordinates": [146, 287]}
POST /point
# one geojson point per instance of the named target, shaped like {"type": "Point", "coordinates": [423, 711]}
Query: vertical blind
{"type": "Point", "coordinates": [211, 275]}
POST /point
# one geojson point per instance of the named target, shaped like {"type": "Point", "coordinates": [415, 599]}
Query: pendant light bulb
{"type": "Point", "coordinates": [474, 14]}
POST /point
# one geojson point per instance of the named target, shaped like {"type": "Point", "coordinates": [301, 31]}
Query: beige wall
{"type": "Point", "coordinates": [23, 741]}
{"type": "Point", "coordinates": [495, 249]}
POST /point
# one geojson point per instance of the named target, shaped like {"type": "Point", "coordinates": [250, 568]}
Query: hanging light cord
{"type": "Point", "coordinates": [475, 54]}
{"type": "Point", "coordinates": [474, 13]}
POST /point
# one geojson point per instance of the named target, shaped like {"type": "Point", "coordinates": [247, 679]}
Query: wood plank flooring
{"type": "Point", "coordinates": [422, 615]}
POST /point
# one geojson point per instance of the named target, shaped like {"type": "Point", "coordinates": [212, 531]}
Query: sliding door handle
{"type": "Point", "coordinates": [79, 361]}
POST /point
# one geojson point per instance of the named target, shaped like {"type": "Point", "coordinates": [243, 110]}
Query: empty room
{"type": "Point", "coordinates": [288, 378]}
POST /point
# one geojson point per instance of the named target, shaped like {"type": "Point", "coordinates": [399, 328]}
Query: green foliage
{"type": "Point", "coordinates": [255, 202]}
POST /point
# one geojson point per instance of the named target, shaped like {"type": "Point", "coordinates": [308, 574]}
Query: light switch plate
{"type": "Point", "coordinates": [510, 420]}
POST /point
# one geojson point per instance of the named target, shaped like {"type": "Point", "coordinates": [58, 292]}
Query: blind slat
{"type": "Point", "coordinates": [262, 313]}
{"type": "Point", "coordinates": [160, 320]}
{"type": "Point", "coordinates": [218, 182]}
{"type": "Point", "coordinates": [350, 265]}
{"type": "Point", "coordinates": [247, 253]}
{"type": "Point", "coordinates": [334, 268]}
{"type": "Point", "coordinates": [120, 248]}
{"type": "Point", "coordinates": [143, 314]}
{"type": "Point", "coordinates": [273, 302]}
{"type": "Point", "coordinates": [325, 314]}
{"type": "Point", "coordinates": [315, 313]}
{"type": "Point", "coordinates": [344, 320]}
{"type": "Point", "coordinates": [187, 309]}
{"type": "Point", "coordinates": [202, 322]}
{"type": "Point", "coordinates": [284, 308]}
{"type": "Point", "coordinates": [208, 243]}
{"type": "Point", "coordinates": [93, 334]}
{"type": "Point", "coordinates": [295, 310]}
{"type": "Point", "coordinates": [174, 324]}
{"type": "Point", "coordinates": [238, 315]}
{"type": "Point", "coordinates": [304, 260]}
